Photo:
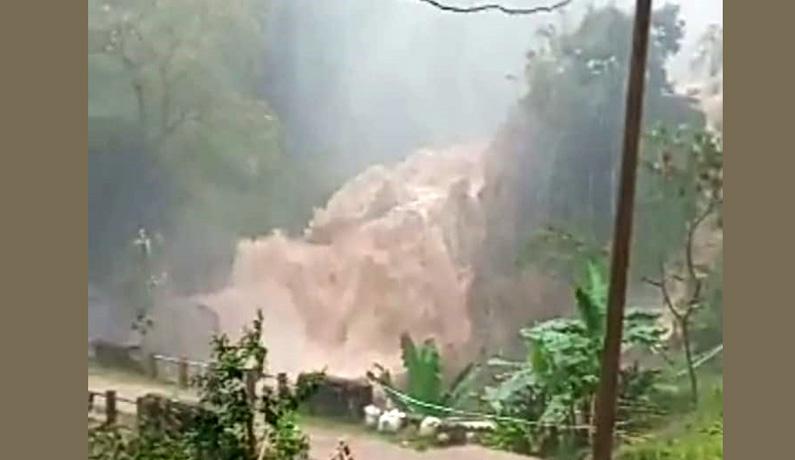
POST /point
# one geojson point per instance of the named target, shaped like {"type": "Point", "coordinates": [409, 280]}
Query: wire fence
{"type": "Point", "coordinates": [474, 415]}
{"type": "Point", "coordinates": [702, 360]}
{"type": "Point", "coordinates": [636, 407]}
{"type": "Point", "coordinates": [183, 374]}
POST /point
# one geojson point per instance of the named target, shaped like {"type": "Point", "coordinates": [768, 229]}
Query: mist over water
{"type": "Point", "coordinates": [368, 81]}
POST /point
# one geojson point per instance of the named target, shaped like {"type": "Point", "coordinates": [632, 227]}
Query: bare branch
{"type": "Point", "coordinates": [666, 295]}
{"type": "Point", "coordinates": [691, 266]}
{"type": "Point", "coordinates": [497, 7]}
{"type": "Point", "coordinates": [649, 281]}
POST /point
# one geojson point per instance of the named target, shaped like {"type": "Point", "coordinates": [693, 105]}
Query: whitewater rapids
{"type": "Point", "coordinates": [391, 252]}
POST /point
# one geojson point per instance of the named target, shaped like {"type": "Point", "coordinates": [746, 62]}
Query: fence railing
{"type": "Point", "coordinates": [183, 367]}
{"type": "Point", "coordinates": [186, 368]}
{"type": "Point", "coordinates": [111, 399]}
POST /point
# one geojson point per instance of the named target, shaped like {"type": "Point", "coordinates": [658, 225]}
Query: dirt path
{"type": "Point", "coordinates": [368, 447]}
{"type": "Point", "coordinates": [324, 438]}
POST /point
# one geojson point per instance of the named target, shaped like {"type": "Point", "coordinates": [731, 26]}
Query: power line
{"type": "Point", "coordinates": [497, 7]}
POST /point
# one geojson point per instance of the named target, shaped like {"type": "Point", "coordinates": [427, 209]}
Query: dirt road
{"type": "Point", "coordinates": [323, 437]}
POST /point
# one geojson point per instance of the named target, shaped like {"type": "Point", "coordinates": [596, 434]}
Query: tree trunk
{"type": "Point", "coordinates": [251, 440]}
{"type": "Point", "coordinates": [691, 371]}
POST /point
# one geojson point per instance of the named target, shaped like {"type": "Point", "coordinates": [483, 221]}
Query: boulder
{"type": "Point", "coordinates": [429, 426]}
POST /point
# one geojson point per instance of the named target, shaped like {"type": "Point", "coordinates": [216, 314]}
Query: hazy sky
{"type": "Point", "coordinates": [375, 79]}
{"type": "Point", "coordinates": [698, 15]}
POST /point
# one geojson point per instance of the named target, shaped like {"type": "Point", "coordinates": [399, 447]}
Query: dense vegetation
{"type": "Point", "coordinates": [235, 424]}
{"type": "Point", "coordinates": [181, 140]}
{"type": "Point", "coordinates": [555, 387]}
{"type": "Point", "coordinates": [575, 112]}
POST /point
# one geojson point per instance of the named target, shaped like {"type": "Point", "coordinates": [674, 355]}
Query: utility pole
{"type": "Point", "coordinates": [622, 236]}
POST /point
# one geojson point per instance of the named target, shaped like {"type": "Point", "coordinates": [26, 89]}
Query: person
{"type": "Point", "coordinates": [343, 451]}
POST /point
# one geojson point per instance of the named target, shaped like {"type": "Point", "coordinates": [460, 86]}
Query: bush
{"type": "Point", "coordinates": [555, 387]}
{"type": "Point", "coordinates": [225, 429]}
{"type": "Point", "coordinates": [116, 443]}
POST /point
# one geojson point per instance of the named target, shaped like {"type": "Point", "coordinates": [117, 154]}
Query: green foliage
{"type": "Point", "coordinates": [684, 192]}
{"type": "Point", "coordinates": [423, 365]}
{"type": "Point", "coordinates": [227, 433]}
{"type": "Point", "coordinates": [591, 299]}
{"type": "Point", "coordinates": [556, 385]}
{"type": "Point", "coordinates": [178, 82]}
{"type": "Point", "coordinates": [511, 437]}
{"type": "Point", "coordinates": [424, 377]}
{"type": "Point", "coordinates": [116, 443]}
{"type": "Point", "coordinates": [574, 106]}
{"type": "Point", "coordinates": [286, 439]}
{"type": "Point", "coordinates": [562, 253]}
{"type": "Point", "coordinates": [680, 180]}
{"type": "Point", "coordinates": [694, 436]}
{"type": "Point", "coordinates": [225, 429]}
{"type": "Point", "coordinates": [460, 389]}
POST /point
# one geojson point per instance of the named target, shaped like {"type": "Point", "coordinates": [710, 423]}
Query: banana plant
{"type": "Point", "coordinates": [424, 378]}
{"type": "Point", "coordinates": [560, 373]}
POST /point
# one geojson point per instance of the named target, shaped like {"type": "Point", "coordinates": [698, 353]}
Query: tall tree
{"type": "Point", "coordinates": [181, 79]}
{"type": "Point", "coordinates": [576, 86]}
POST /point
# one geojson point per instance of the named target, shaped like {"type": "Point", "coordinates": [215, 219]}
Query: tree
{"type": "Point", "coordinates": [227, 431]}
{"type": "Point", "coordinates": [225, 425]}
{"type": "Point", "coordinates": [182, 77]}
{"type": "Point", "coordinates": [686, 175]}
{"type": "Point", "coordinates": [576, 87]}
{"type": "Point", "coordinates": [561, 252]}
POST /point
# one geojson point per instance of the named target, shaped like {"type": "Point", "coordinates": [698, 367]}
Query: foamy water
{"type": "Point", "coordinates": [391, 252]}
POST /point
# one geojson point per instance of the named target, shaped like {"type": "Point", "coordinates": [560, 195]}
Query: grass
{"type": "Point", "coordinates": [694, 434]}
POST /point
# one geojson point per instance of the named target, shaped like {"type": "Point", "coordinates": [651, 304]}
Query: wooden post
{"type": "Point", "coordinates": [251, 375]}
{"type": "Point", "coordinates": [182, 372]}
{"type": "Point", "coordinates": [622, 236]}
{"type": "Point", "coordinates": [152, 366]}
{"type": "Point", "coordinates": [110, 407]}
{"type": "Point", "coordinates": [282, 387]}
{"type": "Point", "coordinates": [251, 385]}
